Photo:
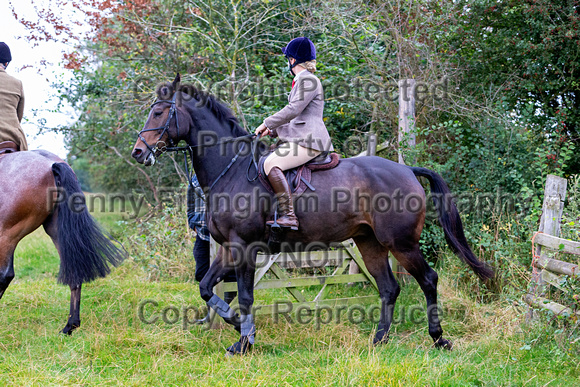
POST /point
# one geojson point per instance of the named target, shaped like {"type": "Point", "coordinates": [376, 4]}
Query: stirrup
{"type": "Point", "coordinates": [277, 227]}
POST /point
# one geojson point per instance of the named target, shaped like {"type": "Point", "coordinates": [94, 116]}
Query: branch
{"type": "Point", "coordinates": [151, 185]}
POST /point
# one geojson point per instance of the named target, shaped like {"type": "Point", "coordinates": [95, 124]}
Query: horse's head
{"type": "Point", "coordinates": [164, 127]}
{"type": "Point", "coordinates": [183, 112]}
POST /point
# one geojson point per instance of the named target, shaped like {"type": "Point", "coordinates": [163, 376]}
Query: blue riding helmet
{"type": "Point", "coordinates": [302, 49]}
{"type": "Point", "coordinates": [5, 55]}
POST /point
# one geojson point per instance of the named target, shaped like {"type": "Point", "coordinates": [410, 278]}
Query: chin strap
{"type": "Point", "coordinates": [291, 66]}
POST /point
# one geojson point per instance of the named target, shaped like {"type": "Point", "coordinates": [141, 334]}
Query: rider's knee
{"type": "Point", "coordinates": [269, 163]}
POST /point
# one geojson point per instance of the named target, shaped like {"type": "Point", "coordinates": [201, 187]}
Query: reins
{"type": "Point", "coordinates": [253, 161]}
{"type": "Point", "coordinates": [188, 150]}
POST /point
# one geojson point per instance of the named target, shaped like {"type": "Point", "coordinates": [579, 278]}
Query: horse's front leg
{"type": "Point", "coordinates": [244, 259]}
{"type": "Point", "coordinates": [74, 318]}
{"type": "Point", "coordinates": [216, 273]}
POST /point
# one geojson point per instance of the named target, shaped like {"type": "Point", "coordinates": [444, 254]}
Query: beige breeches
{"type": "Point", "coordinates": [289, 155]}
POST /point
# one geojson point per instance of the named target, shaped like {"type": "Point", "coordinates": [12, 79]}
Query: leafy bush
{"type": "Point", "coordinates": [161, 244]}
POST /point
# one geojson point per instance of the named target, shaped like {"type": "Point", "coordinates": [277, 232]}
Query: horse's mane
{"type": "Point", "coordinates": [215, 106]}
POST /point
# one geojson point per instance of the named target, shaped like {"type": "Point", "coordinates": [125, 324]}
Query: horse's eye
{"type": "Point", "coordinates": [157, 114]}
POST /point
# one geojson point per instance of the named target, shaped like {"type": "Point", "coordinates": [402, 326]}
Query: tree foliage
{"type": "Point", "coordinates": [526, 55]}
{"type": "Point", "coordinates": [508, 71]}
{"type": "Point", "coordinates": [498, 111]}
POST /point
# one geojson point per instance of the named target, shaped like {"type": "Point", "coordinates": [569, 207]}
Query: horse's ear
{"type": "Point", "coordinates": [176, 81]}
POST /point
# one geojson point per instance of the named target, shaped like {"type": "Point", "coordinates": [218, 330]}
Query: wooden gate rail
{"type": "Point", "coordinates": [548, 271]}
{"type": "Point", "coordinates": [552, 271]}
{"type": "Point", "coordinates": [340, 258]}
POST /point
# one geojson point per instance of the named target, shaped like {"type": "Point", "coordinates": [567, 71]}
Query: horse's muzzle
{"type": "Point", "coordinates": [145, 157]}
{"type": "Point", "coordinates": [139, 155]}
{"type": "Point", "coordinates": [150, 160]}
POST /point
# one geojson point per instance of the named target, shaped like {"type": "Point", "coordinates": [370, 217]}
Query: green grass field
{"type": "Point", "coordinates": [114, 347]}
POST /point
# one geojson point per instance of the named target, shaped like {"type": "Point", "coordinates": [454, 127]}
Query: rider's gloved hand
{"type": "Point", "coordinates": [262, 131]}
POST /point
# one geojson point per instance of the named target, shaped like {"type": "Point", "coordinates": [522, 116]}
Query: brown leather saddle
{"type": "Point", "coordinates": [8, 147]}
{"type": "Point", "coordinates": [299, 178]}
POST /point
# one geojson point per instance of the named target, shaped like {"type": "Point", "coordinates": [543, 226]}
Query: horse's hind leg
{"type": "Point", "coordinates": [6, 266]}
{"type": "Point", "coordinates": [412, 260]}
{"type": "Point", "coordinates": [74, 319]}
{"type": "Point", "coordinates": [376, 261]}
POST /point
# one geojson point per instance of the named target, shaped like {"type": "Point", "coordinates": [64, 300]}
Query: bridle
{"type": "Point", "coordinates": [188, 150]}
{"type": "Point", "coordinates": [163, 148]}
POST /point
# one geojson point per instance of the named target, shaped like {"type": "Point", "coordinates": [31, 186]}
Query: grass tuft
{"type": "Point", "coordinates": [114, 347]}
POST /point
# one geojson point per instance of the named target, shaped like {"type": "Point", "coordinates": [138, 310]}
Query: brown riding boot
{"type": "Point", "coordinates": [286, 218]}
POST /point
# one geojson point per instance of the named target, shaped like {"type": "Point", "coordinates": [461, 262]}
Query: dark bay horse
{"type": "Point", "coordinates": [38, 188]}
{"type": "Point", "coordinates": [352, 200]}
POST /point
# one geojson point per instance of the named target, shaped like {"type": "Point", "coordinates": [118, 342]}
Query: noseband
{"type": "Point", "coordinates": [172, 112]}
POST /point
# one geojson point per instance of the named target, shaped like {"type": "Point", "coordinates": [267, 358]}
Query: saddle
{"type": "Point", "coordinates": [8, 147]}
{"type": "Point", "coordinates": [299, 178]}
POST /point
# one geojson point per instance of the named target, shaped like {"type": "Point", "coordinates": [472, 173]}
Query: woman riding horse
{"type": "Point", "coordinates": [391, 223]}
{"type": "Point", "coordinates": [299, 126]}
{"type": "Point", "coordinates": [11, 107]}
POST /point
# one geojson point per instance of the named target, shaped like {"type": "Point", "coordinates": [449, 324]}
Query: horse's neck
{"type": "Point", "coordinates": [210, 161]}
{"type": "Point", "coordinates": [212, 157]}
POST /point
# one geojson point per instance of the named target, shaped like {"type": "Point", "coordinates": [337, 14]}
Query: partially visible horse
{"type": "Point", "coordinates": [38, 188]}
{"type": "Point", "coordinates": [221, 161]}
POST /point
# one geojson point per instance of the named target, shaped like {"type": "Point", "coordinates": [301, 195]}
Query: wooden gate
{"type": "Point", "coordinates": [547, 271]}
{"type": "Point", "coordinates": [275, 272]}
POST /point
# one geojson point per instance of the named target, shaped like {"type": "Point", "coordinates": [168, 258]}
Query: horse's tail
{"type": "Point", "coordinates": [85, 250]}
{"type": "Point", "coordinates": [451, 222]}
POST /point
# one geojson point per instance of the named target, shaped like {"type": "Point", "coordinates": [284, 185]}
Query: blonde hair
{"type": "Point", "coordinates": [309, 65]}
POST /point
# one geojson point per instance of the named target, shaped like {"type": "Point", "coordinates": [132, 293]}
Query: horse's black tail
{"type": "Point", "coordinates": [451, 222]}
{"type": "Point", "coordinates": [85, 250]}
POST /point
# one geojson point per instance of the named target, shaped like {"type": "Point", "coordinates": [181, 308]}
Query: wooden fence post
{"type": "Point", "coordinates": [552, 208]}
{"type": "Point", "coordinates": [407, 138]}
{"type": "Point", "coordinates": [406, 117]}
{"type": "Point", "coordinates": [372, 143]}
{"type": "Point", "coordinates": [554, 197]}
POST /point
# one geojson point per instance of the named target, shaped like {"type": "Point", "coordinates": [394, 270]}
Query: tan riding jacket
{"type": "Point", "coordinates": [11, 110]}
{"type": "Point", "coordinates": [301, 120]}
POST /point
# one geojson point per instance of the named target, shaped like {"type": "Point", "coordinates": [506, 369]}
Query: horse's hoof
{"type": "Point", "coordinates": [443, 344]}
{"type": "Point", "coordinates": [381, 337]}
{"type": "Point", "coordinates": [240, 348]}
{"type": "Point", "coordinates": [68, 330]}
